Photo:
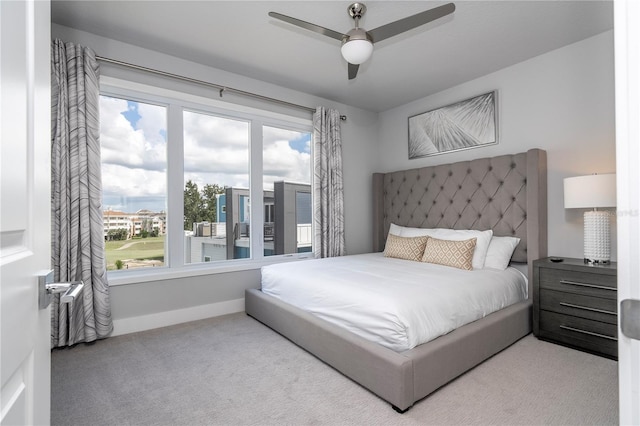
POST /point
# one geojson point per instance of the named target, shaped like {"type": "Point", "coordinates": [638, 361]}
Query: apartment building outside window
{"type": "Point", "coordinates": [181, 176]}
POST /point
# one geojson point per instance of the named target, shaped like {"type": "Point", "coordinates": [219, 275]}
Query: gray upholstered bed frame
{"type": "Point", "coordinates": [506, 194]}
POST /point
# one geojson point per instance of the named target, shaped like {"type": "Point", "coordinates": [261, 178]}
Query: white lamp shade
{"type": "Point", "coordinates": [592, 191]}
{"type": "Point", "coordinates": [357, 51]}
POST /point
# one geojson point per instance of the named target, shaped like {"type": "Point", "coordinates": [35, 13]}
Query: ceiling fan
{"type": "Point", "coordinates": [357, 43]}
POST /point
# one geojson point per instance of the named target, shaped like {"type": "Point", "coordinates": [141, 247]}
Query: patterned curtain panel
{"type": "Point", "coordinates": [76, 197]}
{"type": "Point", "coordinates": [328, 204]}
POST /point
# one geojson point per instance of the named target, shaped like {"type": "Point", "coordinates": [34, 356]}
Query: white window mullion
{"type": "Point", "coordinates": [175, 186]}
{"type": "Point", "coordinates": [257, 192]}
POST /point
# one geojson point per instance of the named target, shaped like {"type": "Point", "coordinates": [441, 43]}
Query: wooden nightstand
{"type": "Point", "coordinates": [575, 304]}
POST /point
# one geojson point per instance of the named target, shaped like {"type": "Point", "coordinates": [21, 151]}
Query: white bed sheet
{"type": "Point", "coordinates": [397, 303]}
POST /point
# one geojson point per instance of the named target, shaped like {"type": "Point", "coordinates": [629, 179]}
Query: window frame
{"type": "Point", "coordinates": [176, 102]}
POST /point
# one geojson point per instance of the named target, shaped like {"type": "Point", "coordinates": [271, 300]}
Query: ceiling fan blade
{"type": "Point", "coordinates": [410, 22]}
{"type": "Point", "coordinates": [308, 26]}
{"type": "Point", "coordinates": [353, 71]}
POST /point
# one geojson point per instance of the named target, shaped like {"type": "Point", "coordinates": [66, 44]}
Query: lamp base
{"type": "Point", "coordinates": [597, 238]}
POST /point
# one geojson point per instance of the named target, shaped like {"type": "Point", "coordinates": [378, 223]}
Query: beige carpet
{"type": "Point", "coordinates": [233, 370]}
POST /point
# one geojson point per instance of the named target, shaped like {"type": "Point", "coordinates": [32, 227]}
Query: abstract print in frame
{"type": "Point", "coordinates": [466, 124]}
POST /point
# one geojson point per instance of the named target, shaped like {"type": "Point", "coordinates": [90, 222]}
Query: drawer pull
{"type": "Point", "coordinates": [570, 305]}
{"type": "Point", "coordinates": [587, 285]}
{"type": "Point", "coordinates": [591, 333]}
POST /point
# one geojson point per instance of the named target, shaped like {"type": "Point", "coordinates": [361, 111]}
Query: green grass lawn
{"type": "Point", "coordinates": [137, 249]}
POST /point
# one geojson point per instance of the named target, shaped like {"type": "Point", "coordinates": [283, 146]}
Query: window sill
{"type": "Point", "coordinates": [117, 278]}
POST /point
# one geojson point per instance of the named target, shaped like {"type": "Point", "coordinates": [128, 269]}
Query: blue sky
{"type": "Point", "coordinates": [134, 139]}
{"type": "Point", "coordinates": [302, 143]}
{"type": "Point", "coordinates": [131, 114]}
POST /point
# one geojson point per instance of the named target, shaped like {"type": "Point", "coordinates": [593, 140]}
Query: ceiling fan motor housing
{"type": "Point", "coordinates": [356, 34]}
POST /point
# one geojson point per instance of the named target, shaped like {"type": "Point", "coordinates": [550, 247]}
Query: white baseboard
{"type": "Point", "coordinates": [178, 316]}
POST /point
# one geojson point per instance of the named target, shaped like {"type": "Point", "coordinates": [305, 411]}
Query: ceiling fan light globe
{"type": "Point", "coordinates": [357, 51]}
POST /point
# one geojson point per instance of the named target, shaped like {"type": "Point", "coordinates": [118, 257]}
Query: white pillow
{"type": "Point", "coordinates": [482, 243]}
{"type": "Point", "coordinates": [396, 230]}
{"type": "Point", "coordinates": [415, 232]}
{"type": "Point", "coordinates": [500, 251]}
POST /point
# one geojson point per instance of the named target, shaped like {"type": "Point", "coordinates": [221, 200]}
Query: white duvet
{"type": "Point", "coordinates": [397, 303]}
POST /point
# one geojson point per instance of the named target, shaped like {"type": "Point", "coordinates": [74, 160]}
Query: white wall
{"type": "Point", "coordinates": [562, 102]}
{"type": "Point", "coordinates": [149, 304]}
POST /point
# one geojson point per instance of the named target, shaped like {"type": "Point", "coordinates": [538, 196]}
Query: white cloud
{"type": "Point", "coordinates": [153, 123]}
{"type": "Point", "coordinates": [216, 150]}
{"type": "Point", "coordinates": [281, 162]}
{"type": "Point", "coordinates": [212, 132]}
{"type": "Point", "coordinates": [129, 147]}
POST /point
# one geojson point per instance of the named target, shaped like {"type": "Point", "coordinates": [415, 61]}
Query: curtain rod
{"type": "Point", "coordinates": [218, 87]}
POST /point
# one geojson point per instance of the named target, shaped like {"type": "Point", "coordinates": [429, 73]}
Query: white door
{"type": "Point", "coordinates": [25, 102]}
{"type": "Point", "coordinates": [627, 52]}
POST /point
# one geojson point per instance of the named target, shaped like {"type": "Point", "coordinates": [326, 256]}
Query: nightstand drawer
{"type": "Point", "coordinates": [585, 283]}
{"type": "Point", "coordinates": [580, 332]}
{"type": "Point", "coordinates": [580, 305]}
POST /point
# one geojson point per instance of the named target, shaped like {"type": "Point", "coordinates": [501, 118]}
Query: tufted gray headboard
{"type": "Point", "coordinates": [507, 193]}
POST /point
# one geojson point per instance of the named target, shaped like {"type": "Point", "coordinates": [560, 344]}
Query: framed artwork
{"type": "Point", "coordinates": [466, 124]}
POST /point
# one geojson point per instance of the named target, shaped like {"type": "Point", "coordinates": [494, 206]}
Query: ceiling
{"type": "Point", "coordinates": [238, 36]}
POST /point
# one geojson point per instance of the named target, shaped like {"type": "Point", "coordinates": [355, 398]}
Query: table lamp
{"type": "Point", "coordinates": [593, 192]}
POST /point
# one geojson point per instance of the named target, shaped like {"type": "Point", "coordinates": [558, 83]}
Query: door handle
{"type": "Point", "coordinates": [47, 288]}
{"type": "Point", "coordinates": [630, 318]}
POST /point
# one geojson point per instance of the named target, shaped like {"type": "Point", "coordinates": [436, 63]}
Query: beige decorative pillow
{"type": "Point", "coordinates": [405, 248]}
{"type": "Point", "coordinates": [458, 254]}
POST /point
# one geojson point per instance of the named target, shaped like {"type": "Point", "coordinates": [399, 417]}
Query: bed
{"type": "Point", "coordinates": [506, 194]}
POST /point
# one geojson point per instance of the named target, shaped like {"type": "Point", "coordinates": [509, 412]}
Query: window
{"type": "Point", "coordinates": [133, 139]}
{"type": "Point", "coordinates": [216, 173]}
{"type": "Point", "coordinates": [286, 173]}
{"type": "Point", "coordinates": [181, 175]}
